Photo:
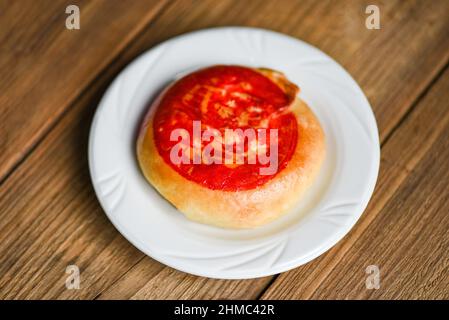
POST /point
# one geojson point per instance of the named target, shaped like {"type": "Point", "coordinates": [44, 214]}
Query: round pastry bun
{"type": "Point", "coordinates": [244, 208]}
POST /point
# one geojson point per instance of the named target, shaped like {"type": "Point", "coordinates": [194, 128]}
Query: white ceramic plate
{"type": "Point", "coordinates": [325, 214]}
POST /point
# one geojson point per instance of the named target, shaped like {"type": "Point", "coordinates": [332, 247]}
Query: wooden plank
{"type": "Point", "coordinates": [405, 159]}
{"type": "Point", "coordinates": [408, 240]}
{"type": "Point", "coordinates": [45, 66]}
{"type": "Point", "coordinates": [50, 217]}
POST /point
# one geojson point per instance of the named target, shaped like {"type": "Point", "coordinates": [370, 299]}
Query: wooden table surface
{"type": "Point", "coordinates": [52, 79]}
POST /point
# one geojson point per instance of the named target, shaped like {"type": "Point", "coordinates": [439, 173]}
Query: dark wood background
{"type": "Point", "coordinates": [52, 79]}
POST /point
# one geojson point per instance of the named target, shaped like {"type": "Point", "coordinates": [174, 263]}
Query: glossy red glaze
{"type": "Point", "coordinates": [224, 97]}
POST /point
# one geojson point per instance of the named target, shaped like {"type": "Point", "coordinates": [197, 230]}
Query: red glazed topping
{"type": "Point", "coordinates": [225, 97]}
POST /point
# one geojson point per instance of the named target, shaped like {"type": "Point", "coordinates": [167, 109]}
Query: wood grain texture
{"type": "Point", "coordinates": [50, 219]}
{"type": "Point", "coordinates": [387, 221]}
{"type": "Point", "coordinates": [45, 66]}
{"type": "Point", "coordinates": [408, 240]}
{"type": "Point", "coordinates": [49, 214]}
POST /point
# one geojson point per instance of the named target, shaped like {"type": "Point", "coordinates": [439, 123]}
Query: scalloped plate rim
{"type": "Point", "coordinates": [343, 230]}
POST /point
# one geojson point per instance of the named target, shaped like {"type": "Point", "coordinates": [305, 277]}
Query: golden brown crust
{"type": "Point", "coordinates": [248, 208]}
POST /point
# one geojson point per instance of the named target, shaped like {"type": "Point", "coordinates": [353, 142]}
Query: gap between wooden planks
{"type": "Point", "coordinates": [71, 222]}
